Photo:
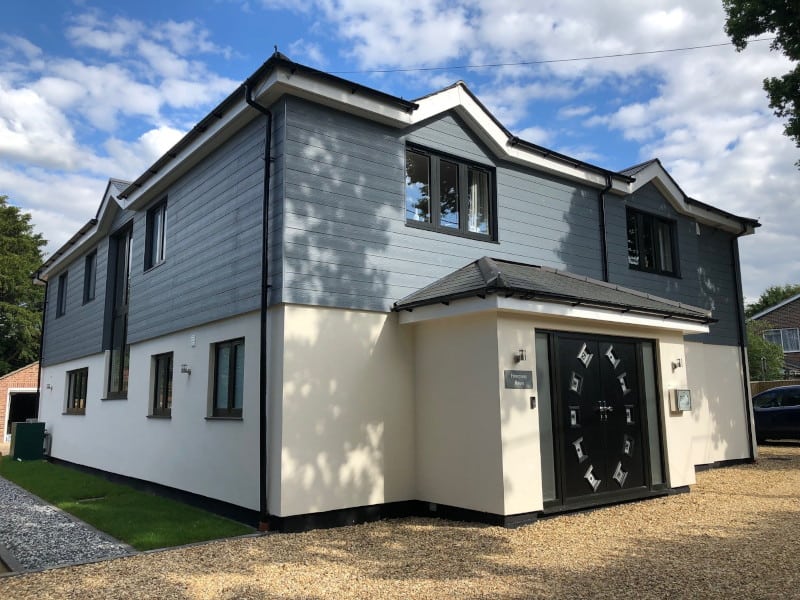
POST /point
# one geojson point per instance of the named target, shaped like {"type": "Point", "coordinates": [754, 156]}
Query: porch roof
{"type": "Point", "coordinates": [488, 276]}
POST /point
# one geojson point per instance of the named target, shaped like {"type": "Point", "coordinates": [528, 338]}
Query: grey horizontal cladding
{"type": "Point", "coordinates": [344, 188]}
{"type": "Point", "coordinates": [714, 274]}
{"type": "Point", "coordinates": [706, 272]}
{"type": "Point", "coordinates": [448, 134]}
{"type": "Point", "coordinates": [79, 332]}
{"type": "Point", "coordinates": [123, 217]}
{"type": "Point", "coordinates": [212, 268]}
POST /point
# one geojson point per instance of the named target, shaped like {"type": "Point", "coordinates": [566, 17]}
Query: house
{"type": "Point", "coordinates": [783, 321]}
{"type": "Point", "coordinates": [19, 398]}
{"type": "Point", "coordinates": [328, 304]}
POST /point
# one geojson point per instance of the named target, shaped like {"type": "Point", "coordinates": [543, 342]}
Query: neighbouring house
{"type": "Point", "coordinates": [783, 321]}
{"type": "Point", "coordinates": [19, 398]}
{"type": "Point", "coordinates": [327, 304]}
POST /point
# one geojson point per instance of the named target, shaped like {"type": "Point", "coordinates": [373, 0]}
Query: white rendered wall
{"type": "Point", "coordinates": [347, 420]}
{"type": "Point", "coordinates": [477, 442]}
{"type": "Point", "coordinates": [459, 448]}
{"type": "Point", "coordinates": [213, 458]}
{"type": "Point", "coordinates": [719, 416]}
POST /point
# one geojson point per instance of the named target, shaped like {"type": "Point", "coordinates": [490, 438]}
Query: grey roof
{"type": "Point", "coordinates": [632, 171]}
{"type": "Point", "coordinates": [488, 276]}
{"type": "Point", "coordinates": [118, 185]}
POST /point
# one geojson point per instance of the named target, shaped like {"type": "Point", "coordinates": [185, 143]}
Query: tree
{"type": "Point", "coordinates": [770, 297]}
{"type": "Point", "coordinates": [748, 18]}
{"type": "Point", "coordinates": [764, 358]}
{"type": "Point", "coordinates": [20, 300]}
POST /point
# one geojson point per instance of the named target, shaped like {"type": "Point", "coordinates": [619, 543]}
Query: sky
{"type": "Point", "coordinates": [93, 89]}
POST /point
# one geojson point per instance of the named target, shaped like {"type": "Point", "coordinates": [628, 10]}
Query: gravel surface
{"type": "Point", "coordinates": [39, 535]}
{"type": "Point", "coordinates": [734, 536]}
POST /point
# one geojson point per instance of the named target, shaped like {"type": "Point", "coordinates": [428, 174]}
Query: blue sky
{"type": "Point", "coordinates": [91, 90]}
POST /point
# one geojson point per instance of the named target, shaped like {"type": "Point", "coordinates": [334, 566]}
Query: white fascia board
{"type": "Point", "coordinates": [457, 99]}
{"type": "Point", "coordinates": [201, 147]}
{"type": "Point", "coordinates": [344, 98]}
{"type": "Point", "coordinates": [90, 237]}
{"type": "Point", "coordinates": [553, 309]}
{"type": "Point", "coordinates": [278, 82]}
{"type": "Point", "coordinates": [656, 174]}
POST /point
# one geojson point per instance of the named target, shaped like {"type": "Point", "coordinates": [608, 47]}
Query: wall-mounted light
{"type": "Point", "coordinates": [186, 369]}
{"type": "Point", "coordinates": [520, 355]}
{"type": "Point", "coordinates": [676, 364]}
{"type": "Point", "coordinates": [49, 386]}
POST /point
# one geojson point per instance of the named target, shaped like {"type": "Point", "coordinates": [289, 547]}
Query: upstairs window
{"type": "Point", "coordinates": [788, 339]}
{"type": "Point", "coordinates": [89, 276]}
{"type": "Point", "coordinates": [156, 235]}
{"type": "Point", "coordinates": [651, 243]}
{"type": "Point", "coordinates": [61, 299]}
{"type": "Point", "coordinates": [448, 195]}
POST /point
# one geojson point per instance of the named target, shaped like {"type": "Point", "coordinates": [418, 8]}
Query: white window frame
{"type": "Point", "coordinates": [785, 339]}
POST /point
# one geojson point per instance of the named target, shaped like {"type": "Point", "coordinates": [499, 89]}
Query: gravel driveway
{"type": "Point", "coordinates": [734, 536]}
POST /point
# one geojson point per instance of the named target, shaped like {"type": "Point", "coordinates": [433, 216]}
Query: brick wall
{"type": "Point", "coordinates": [25, 378]}
{"type": "Point", "coordinates": [785, 316]}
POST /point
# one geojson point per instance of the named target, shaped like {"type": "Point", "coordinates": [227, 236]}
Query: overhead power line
{"type": "Point", "coordinates": [546, 62]}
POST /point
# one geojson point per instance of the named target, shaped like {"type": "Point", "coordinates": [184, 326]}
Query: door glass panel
{"type": "Point", "coordinates": [546, 449]}
{"type": "Point", "coordinates": [651, 406]}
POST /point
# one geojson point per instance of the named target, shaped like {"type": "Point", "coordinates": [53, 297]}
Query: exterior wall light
{"type": "Point", "coordinates": [186, 369]}
{"type": "Point", "coordinates": [520, 355]}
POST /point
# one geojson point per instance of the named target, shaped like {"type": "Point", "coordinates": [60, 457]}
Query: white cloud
{"type": "Point", "coordinates": [33, 131]}
{"type": "Point", "coordinates": [570, 112]}
{"type": "Point", "coordinates": [306, 51]}
{"type": "Point", "coordinates": [65, 122]}
{"type": "Point", "coordinates": [113, 36]}
{"type": "Point", "coordinates": [537, 135]}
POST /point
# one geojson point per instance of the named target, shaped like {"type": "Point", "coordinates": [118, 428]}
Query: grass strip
{"type": "Point", "coordinates": [145, 521]}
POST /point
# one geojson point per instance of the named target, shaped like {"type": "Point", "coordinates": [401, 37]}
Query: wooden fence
{"type": "Point", "coordinates": [756, 387]}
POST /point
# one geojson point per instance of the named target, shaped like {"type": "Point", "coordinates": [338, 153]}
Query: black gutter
{"type": "Point", "coordinates": [601, 198]}
{"type": "Point", "coordinates": [526, 294]}
{"type": "Point", "coordinates": [41, 341]}
{"type": "Point", "coordinates": [263, 492]}
{"type": "Point", "coordinates": [740, 322]}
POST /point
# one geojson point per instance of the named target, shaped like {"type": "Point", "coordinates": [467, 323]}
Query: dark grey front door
{"type": "Point", "coordinates": [600, 428]}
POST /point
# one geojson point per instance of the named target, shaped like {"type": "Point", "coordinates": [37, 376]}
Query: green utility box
{"type": "Point", "coordinates": [27, 441]}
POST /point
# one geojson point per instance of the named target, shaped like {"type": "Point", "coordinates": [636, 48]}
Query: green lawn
{"type": "Point", "coordinates": [143, 520]}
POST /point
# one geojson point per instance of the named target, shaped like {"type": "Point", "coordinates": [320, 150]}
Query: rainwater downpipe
{"type": "Point", "coordinates": [263, 488]}
{"type": "Point", "coordinates": [41, 340]}
{"type": "Point", "coordinates": [742, 337]}
{"type": "Point", "coordinates": [601, 198]}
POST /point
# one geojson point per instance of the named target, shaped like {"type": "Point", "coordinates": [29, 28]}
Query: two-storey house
{"type": "Point", "coordinates": [327, 304]}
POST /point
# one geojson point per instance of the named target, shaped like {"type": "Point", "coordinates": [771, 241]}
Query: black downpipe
{"type": "Point", "coordinates": [262, 384]}
{"type": "Point", "coordinates": [601, 198]}
{"type": "Point", "coordinates": [742, 339]}
{"type": "Point", "coordinates": [41, 343]}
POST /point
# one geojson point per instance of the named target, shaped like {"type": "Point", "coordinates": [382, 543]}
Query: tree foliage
{"type": "Point", "coordinates": [764, 358]}
{"type": "Point", "coordinates": [749, 18]}
{"type": "Point", "coordinates": [770, 297]}
{"type": "Point", "coordinates": [20, 300]}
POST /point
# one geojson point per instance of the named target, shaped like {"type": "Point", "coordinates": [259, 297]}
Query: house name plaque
{"type": "Point", "coordinates": [519, 380]}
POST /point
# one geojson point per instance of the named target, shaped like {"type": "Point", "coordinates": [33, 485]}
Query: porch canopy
{"type": "Point", "coordinates": [532, 288]}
